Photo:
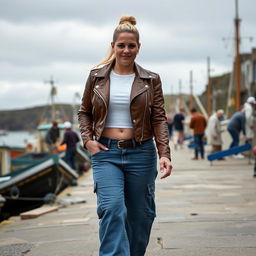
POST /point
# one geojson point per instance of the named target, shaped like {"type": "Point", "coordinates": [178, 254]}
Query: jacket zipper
{"type": "Point", "coordinates": [143, 122]}
{"type": "Point", "coordinates": [99, 95]}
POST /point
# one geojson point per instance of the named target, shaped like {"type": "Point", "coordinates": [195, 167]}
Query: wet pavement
{"type": "Point", "coordinates": [201, 210]}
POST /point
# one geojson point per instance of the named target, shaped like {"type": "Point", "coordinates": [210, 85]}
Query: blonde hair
{"type": "Point", "coordinates": [126, 24]}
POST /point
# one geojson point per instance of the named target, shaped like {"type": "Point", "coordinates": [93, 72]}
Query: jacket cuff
{"type": "Point", "coordinates": [165, 155]}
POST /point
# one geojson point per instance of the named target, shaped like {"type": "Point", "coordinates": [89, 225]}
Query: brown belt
{"type": "Point", "coordinates": [122, 144]}
{"type": "Point", "coordinates": [126, 143]}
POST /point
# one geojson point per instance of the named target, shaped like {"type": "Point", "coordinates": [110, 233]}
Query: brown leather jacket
{"type": "Point", "coordinates": [147, 107]}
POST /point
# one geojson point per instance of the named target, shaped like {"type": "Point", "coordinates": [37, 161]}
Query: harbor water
{"type": "Point", "coordinates": [16, 138]}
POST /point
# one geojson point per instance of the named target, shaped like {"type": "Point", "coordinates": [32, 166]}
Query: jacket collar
{"type": "Point", "coordinates": [106, 69]}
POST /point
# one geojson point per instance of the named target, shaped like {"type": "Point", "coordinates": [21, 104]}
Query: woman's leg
{"type": "Point", "coordinates": [109, 186]}
{"type": "Point", "coordinates": [201, 145]}
{"type": "Point", "coordinates": [235, 138]}
{"type": "Point", "coordinates": [197, 146]}
{"type": "Point", "coordinates": [181, 137]}
{"type": "Point", "coordinates": [140, 173]}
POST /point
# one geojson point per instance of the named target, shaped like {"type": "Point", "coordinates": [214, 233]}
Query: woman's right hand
{"type": "Point", "coordinates": [94, 147]}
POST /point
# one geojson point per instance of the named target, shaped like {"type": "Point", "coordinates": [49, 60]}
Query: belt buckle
{"type": "Point", "coordinates": [118, 143]}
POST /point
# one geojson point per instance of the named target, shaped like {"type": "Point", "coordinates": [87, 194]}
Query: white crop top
{"type": "Point", "coordinates": [119, 101]}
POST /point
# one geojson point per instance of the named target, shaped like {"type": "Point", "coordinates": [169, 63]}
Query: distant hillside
{"type": "Point", "coordinates": [28, 119]}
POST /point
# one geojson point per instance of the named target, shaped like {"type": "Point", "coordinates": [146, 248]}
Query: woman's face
{"type": "Point", "coordinates": [126, 48]}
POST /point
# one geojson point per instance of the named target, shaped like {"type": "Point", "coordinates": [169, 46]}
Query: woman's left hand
{"type": "Point", "coordinates": [165, 167]}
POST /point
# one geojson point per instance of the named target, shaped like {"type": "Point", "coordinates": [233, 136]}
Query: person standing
{"type": "Point", "coordinates": [70, 139]}
{"type": "Point", "coordinates": [178, 122]}
{"type": "Point", "coordinates": [52, 137]}
{"type": "Point", "coordinates": [214, 131]}
{"type": "Point", "coordinates": [170, 125]}
{"type": "Point", "coordinates": [122, 110]}
{"type": "Point", "coordinates": [198, 124]}
{"type": "Point", "coordinates": [249, 118]}
{"type": "Point", "coordinates": [235, 126]}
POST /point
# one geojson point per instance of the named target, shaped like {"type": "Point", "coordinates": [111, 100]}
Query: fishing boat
{"type": "Point", "coordinates": [32, 179]}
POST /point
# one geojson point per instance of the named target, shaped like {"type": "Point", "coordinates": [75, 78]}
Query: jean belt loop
{"type": "Point", "coordinates": [109, 143]}
{"type": "Point", "coordinates": [134, 143]}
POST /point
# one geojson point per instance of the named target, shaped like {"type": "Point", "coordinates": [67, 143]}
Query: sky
{"type": "Point", "coordinates": [65, 39]}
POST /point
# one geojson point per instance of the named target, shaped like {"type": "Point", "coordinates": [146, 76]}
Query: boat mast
{"type": "Point", "coordinates": [209, 88]}
{"type": "Point", "coordinates": [52, 96]}
{"type": "Point", "coordinates": [180, 95]}
{"type": "Point", "coordinates": [76, 98]}
{"type": "Point", "coordinates": [191, 90]}
{"type": "Point", "coordinates": [237, 59]}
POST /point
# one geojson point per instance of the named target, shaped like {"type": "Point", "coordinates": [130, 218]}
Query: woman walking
{"type": "Point", "coordinates": [121, 119]}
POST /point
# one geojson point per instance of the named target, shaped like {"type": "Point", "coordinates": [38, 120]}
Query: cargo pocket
{"type": "Point", "coordinates": [99, 209]}
{"type": "Point", "coordinates": [151, 207]}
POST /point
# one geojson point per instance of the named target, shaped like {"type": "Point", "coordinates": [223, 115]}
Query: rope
{"type": "Point", "coordinates": [25, 198]}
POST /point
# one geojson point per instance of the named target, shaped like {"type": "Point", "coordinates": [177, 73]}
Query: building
{"type": "Point", "coordinates": [248, 75]}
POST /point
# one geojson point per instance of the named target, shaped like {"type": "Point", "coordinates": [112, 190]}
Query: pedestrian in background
{"type": "Point", "coordinates": [249, 118]}
{"type": "Point", "coordinates": [170, 125]}
{"type": "Point", "coordinates": [198, 124]}
{"type": "Point", "coordinates": [178, 123]}
{"type": "Point", "coordinates": [236, 125]}
{"type": "Point", "coordinates": [122, 111]}
{"type": "Point", "coordinates": [70, 139]}
{"type": "Point", "coordinates": [52, 137]}
{"type": "Point", "coordinates": [214, 131]}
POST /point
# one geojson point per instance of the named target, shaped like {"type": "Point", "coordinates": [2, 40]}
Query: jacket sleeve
{"type": "Point", "coordinates": [205, 123]}
{"type": "Point", "coordinates": [64, 139]}
{"type": "Point", "coordinates": [191, 124]}
{"type": "Point", "coordinates": [243, 124]}
{"type": "Point", "coordinates": [159, 120]}
{"type": "Point", "coordinates": [213, 127]}
{"type": "Point", "coordinates": [85, 117]}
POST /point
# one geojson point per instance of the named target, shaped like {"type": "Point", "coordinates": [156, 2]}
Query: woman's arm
{"type": "Point", "coordinates": [158, 120]}
{"type": "Point", "coordinates": [85, 117]}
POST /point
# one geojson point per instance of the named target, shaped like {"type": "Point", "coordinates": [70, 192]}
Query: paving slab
{"type": "Point", "coordinates": [202, 210]}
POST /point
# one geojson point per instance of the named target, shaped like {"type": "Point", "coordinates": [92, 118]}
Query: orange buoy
{"type": "Point", "coordinates": [62, 147]}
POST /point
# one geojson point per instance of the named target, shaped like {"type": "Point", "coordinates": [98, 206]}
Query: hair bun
{"type": "Point", "coordinates": [127, 19]}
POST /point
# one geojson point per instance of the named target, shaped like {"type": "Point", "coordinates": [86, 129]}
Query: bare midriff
{"type": "Point", "coordinates": [118, 133]}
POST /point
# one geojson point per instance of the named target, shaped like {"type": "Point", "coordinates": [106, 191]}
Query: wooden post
{"type": "Point", "coordinates": [237, 61]}
{"type": "Point", "coordinates": [180, 95]}
{"type": "Point", "coordinates": [209, 89]}
{"type": "Point", "coordinates": [191, 90]}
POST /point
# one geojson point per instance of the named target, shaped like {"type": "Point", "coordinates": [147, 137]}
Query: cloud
{"type": "Point", "coordinates": [37, 44]}
{"type": "Point", "coordinates": [66, 38]}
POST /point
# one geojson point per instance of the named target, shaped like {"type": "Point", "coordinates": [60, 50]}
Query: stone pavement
{"type": "Point", "coordinates": [201, 210]}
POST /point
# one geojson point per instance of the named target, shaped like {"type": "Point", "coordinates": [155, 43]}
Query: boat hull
{"type": "Point", "coordinates": [34, 186]}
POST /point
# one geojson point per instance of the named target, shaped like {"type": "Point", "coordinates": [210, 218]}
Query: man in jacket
{"type": "Point", "coordinates": [214, 131]}
{"type": "Point", "coordinates": [52, 137]}
{"type": "Point", "coordinates": [198, 124]}
{"type": "Point", "coordinates": [235, 126]}
{"type": "Point", "coordinates": [70, 139]}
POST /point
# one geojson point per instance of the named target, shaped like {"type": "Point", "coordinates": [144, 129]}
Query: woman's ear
{"type": "Point", "coordinates": [112, 44]}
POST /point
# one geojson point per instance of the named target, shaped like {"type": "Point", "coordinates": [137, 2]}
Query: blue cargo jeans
{"type": "Point", "coordinates": [124, 180]}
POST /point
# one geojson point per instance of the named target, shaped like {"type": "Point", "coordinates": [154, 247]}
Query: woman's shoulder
{"type": "Point", "coordinates": [98, 67]}
{"type": "Point", "coordinates": [146, 73]}
{"type": "Point", "coordinates": [99, 70]}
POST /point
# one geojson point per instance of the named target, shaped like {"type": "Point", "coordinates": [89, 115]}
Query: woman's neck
{"type": "Point", "coordinates": [120, 70]}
